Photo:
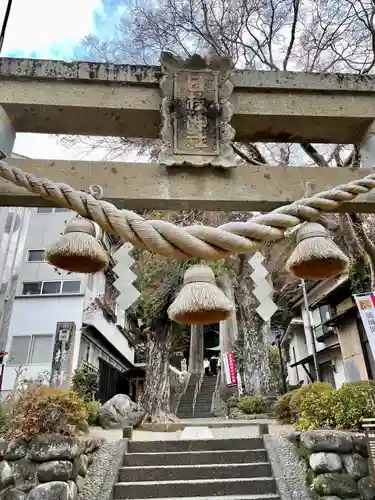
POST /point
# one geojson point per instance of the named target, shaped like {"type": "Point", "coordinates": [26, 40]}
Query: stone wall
{"type": "Point", "coordinates": [337, 465]}
{"type": "Point", "coordinates": [48, 467]}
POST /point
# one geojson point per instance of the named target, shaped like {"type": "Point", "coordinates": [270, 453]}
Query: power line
{"type": "Point", "coordinates": [5, 23]}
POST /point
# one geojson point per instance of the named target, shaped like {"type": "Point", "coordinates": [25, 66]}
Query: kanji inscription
{"type": "Point", "coordinates": [196, 111]}
{"type": "Point", "coordinates": [194, 130]}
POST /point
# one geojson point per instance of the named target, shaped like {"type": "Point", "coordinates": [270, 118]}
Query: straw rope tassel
{"type": "Point", "coordinates": [316, 256]}
{"type": "Point", "coordinates": [78, 250]}
{"type": "Point", "coordinates": [200, 301]}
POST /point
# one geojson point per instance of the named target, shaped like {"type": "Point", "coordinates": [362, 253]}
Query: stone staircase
{"type": "Point", "coordinates": [204, 399]}
{"type": "Point", "coordinates": [214, 469]}
{"type": "Point", "coordinates": [185, 407]}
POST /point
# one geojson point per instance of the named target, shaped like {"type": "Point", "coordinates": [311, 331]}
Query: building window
{"type": "Point", "coordinates": [32, 288]}
{"type": "Point", "coordinates": [319, 316]}
{"type": "Point", "coordinates": [19, 350]}
{"type": "Point", "coordinates": [51, 287]}
{"type": "Point", "coordinates": [47, 210]}
{"type": "Point", "coordinates": [31, 349]}
{"type": "Point", "coordinates": [41, 349]}
{"type": "Point", "coordinates": [71, 287]}
{"type": "Point", "coordinates": [44, 210]}
{"type": "Point", "coordinates": [35, 256]}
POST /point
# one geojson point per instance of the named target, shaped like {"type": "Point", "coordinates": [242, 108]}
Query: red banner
{"type": "Point", "coordinates": [230, 369]}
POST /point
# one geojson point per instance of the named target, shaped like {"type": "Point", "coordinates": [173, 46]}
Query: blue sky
{"type": "Point", "coordinates": [53, 29]}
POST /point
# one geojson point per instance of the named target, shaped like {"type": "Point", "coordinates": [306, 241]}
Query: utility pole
{"type": "Point", "coordinates": [278, 338]}
{"type": "Point", "coordinates": [310, 330]}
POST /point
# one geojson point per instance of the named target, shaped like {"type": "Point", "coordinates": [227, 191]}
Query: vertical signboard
{"type": "Point", "coordinates": [230, 369]}
{"type": "Point", "coordinates": [366, 308]}
{"type": "Point", "coordinates": [61, 369]}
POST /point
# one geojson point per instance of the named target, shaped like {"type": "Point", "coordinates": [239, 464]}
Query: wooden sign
{"type": "Point", "coordinates": [61, 369]}
{"type": "Point", "coordinates": [369, 426]}
{"type": "Point", "coordinates": [196, 112]}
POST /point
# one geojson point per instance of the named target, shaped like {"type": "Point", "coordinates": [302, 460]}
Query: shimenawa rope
{"type": "Point", "coordinates": [196, 241]}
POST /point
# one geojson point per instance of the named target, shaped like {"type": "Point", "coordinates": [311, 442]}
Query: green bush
{"type": "Point", "coordinates": [316, 410]}
{"type": "Point", "coordinates": [341, 409]}
{"type": "Point", "coordinates": [46, 410]}
{"type": "Point", "coordinates": [85, 382]}
{"type": "Point", "coordinates": [92, 409]}
{"type": "Point", "coordinates": [251, 405]}
{"type": "Point", "coordinates": [283, 412]}
{"type": "Point", "coordinates": [353, 402]}
{"type": "Point", "coordinates": [5, 416]}
{"type": "Point", "coordinates": [308, 391]}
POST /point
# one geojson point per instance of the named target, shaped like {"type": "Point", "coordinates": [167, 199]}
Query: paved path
{"type": "Point", "coordinates": [243, 430]}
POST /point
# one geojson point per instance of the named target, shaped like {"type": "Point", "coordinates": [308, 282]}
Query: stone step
{"type": "Point", "coordinates": [188, 472]}
{"type": "Point", "coordinates": [196, 487]}
{"type": "Point", "coordinates": [195, 457]}
{"type": "Point", "coordinates": [267, 496]}
{"type": "Point", "coordinates": [182, 445]}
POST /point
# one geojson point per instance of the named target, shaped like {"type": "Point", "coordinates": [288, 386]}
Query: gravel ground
{"type": "Point", "coordinates": [287, 468]}
{"type": "Point", "coordinates": [99, 480]}
{"type": "Point", "coordinates": [235, 432]}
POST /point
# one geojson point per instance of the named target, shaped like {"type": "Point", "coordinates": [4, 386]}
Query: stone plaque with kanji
{"type": "Point", "coordinates": [196, 111]}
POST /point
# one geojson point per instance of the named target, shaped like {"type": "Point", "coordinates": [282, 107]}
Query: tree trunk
{"type": "Point", "coordinates": [366, 243]}
{"type": "Point", "coordinates": [196, 349]}
{"type": "Point", "coordinates": [157, 389]}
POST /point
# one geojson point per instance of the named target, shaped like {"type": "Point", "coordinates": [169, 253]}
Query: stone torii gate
{"type": "Point", "coordinates": [120, 100]}
{"type": "Point", "coordinates": [197, 107]}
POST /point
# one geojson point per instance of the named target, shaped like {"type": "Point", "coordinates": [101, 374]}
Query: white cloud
{"type": "Point", "coordinates": [47, 26]}
{"type": "Point", "coordinates": [47, 29]}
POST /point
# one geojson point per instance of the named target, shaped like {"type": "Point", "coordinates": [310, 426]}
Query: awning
{"type": "Point", "coordinates": [340, 316]}
{"type": "Point", "coordinates": [310, 357]}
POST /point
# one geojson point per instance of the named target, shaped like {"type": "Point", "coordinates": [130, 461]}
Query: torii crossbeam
{"type": "Point", "coordinates": [120, 100]}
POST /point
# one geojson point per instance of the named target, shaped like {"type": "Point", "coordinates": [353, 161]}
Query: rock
{"type": "Point", "coordinates": [324, 440]}
{"type": "Point", "coordinates": [334, 484]}
{"type": "Point", "coordinates": [57, 470]}
{"type": "Point", "coordinates": [293, 436]}
{"type": "Point", "coordinates": [80, 466]}
{"type": "Point", "coordinates": [73, 491]}
{"type": "Point", "coordinates": [6, 475]}
{"type": "Point", "coordinates": [120, 411]}
{"type": "Point", "coordinates": [80, 483]}
{"type": "Point", "coordinates": [3, 448]}
{"type": "Point", "coordinates": [83, 427]}
{"type": "Point", "coordinates": [360, 445]}
{"type": "Point", "coordinates": [366, 488]}
{"type": "Point", "coordinates": [325, 462]}
{"type": "Point", "coordinates": [90, 456]}
{"type": "Point", "coordinates": [310, 477]}
{"type": "Point", "coordinates": [91, 445]}
{"type": "Point", "coordinates": [24, 474]}
{"type": "Point", "coordinates": [83, 464]}
{"type": "Point", "coordinates": [16, 449]}
{"type": "Point", "coordinates": [55, 490]}
{"type": "Point", "coordinates": [12, 494]}
{"type": "Point", "coordinates": [336, 498]}
{"type": "Point", "coordinates": [355, 465]}
{"type": "Point", "coordinates": [46, 448]}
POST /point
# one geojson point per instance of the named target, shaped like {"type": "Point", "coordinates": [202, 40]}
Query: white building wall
{"type": "Point", "coordinates": [38, 314]}
{"type": "Point", "coordinates": [340, 375]}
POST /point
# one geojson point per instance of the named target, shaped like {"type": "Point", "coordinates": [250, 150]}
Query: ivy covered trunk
{"type": "Point", "coordinates": [157, 388]}
{"type": "Point", "coordinates": [253, 342]}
